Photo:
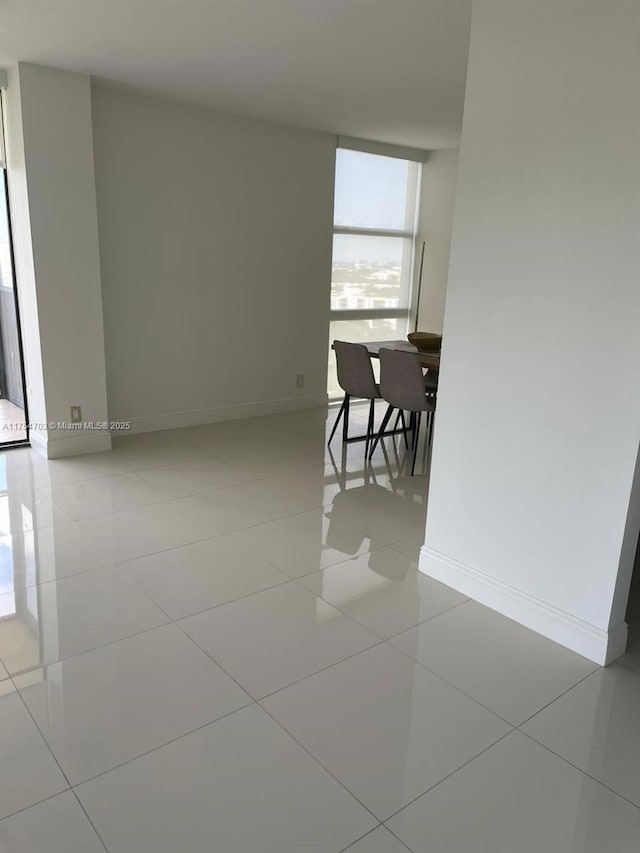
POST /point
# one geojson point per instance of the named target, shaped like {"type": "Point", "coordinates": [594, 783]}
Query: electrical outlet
{"type": "Point", "coordinates": [76, 414]}
{"type": "Point", "coordinates": [300, 380]}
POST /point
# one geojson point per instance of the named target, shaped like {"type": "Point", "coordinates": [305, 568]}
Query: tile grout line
{"type": "Point", "coordinates": [353, 618]}
{"type": "Point", "coordinates": [424, 621]}
{"type": "Point", "coordinates": [164, 500]}
{"type": "Point", "coordinates": [222, 532]}
{"type": "Point", "coordinates": [88, 817]}
{"type": "Point", "coordinates": [172, 621]}
{"type": "Point", "coordinates": [580, 770]}
{"type": "Point", "coordinates": [288, 579]}
{"type": "Point", "coordinates": [41, 490]}
{"type": "Point", "coordinates": [22, 672]}
{"type": "Point", "coordinates": [400, 841]}
{"type": "Point", "coordinates": [564, 693]}
{"type": "Point", "coordinates": [115, 564]}
{"type": "Point", "coordinates": [211, 658]}
{"type": "Point", "coordinates": [533, 740]}
{"type": "Point", "coordinates": [319, 671]}
{"type": "Point", "coordinates": [380, 641]}
{"type": "Point", "coordinates": [45, 741]}
{"type": "Point", "coordinates": [60, 768]}
{"type": "Point", "coordinates": [468, 695]}
{"type": "Point", "coordinates": [258, 701]}
{"type": "Point", "coordinates": [367, 834]}
{"type": "Point", "coordinates": [387, 640]}
{"type": "Point", "coordinates": [444, 680]}
{"type": "Point", "coordinates": [317, 761]}
{"type": "Point", "coordinates": [448, 776]}
{"type": "Point", "coordinates": [153, 749]}
{"type": "Point", "coordinates": [262, 708]}
{"type": "Point", "coordinates": [39, 802]}
{"type": "Point", "coordinates": [149, 600]}
{"type": "Point", "coordinates": [185, 734]}
{"type": "Point", "coordinates": [166, 743]}
{"type": "Point", "coordinates": [138, 474]}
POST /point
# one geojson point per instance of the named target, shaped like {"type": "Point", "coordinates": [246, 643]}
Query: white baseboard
{"type": "Point", "coordinates": [196, 417]}
{"type": "Point", "coordinates": [53, 446]}
{"type": "Point", "coordinates": [74, 443]}
{"type": "Point", "coordinates": [38, 442]}
{"type": "Point", "coordinates": [587, 640]}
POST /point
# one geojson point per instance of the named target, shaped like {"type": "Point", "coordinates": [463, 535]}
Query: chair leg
{"type": "Point", "coordinates": [412, 426]}
{"type": "Point", "coordinates": [400, 420]}
{"type": "Point", "coordinates": [369, 428]}
{"type": "Point", "coordinates": [335, 426]}
{"type": "Point", "coordinates": [345, 419]}
{"type": "Point", "coordinates": [383, 425]}
{"type": "Point", "coordinates": [404, 429]}
{"type": "Point", "coordinates": [416, 435]}
{"type": "Point", "coordinates": [430, 428]}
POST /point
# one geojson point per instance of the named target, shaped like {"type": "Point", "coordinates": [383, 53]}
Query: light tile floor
{"type": "Point", "coordinates": [216, 639]}
{"type": "Point", "coordinates": [12, 425]}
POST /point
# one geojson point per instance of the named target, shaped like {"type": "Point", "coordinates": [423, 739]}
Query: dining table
{"type": "Point", "coordinates": [430, 360]}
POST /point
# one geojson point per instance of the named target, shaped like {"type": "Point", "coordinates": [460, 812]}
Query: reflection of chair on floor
{"type": "Point", "coordinates": [402, 386]}
{"type": "Point", "coordinates": [342, 534]}
{"type": "Point", "coordinates": [396, 571]}
{"type": "Point", "coordinates": [343, 474]}
{"type": "Point", "coordinates": [343, 537]}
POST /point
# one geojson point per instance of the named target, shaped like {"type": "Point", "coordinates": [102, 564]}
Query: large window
{"type": "Point", "coordinates": [373, 246]}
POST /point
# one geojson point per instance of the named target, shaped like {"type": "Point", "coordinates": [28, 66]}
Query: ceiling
{"type": "Point", "coordinates": [388, 70]}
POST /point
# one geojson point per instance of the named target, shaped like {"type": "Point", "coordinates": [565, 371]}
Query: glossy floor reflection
{"type": "Point", "coordinates": [216, 638]}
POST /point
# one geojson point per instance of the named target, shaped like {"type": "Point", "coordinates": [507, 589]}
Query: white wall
{"type": "Point", "coordinates": [538, 426]}
{"type": "Point", "coordinates": [437, 195]}
{"type": "Point", "coordinates": [215, 244]}
{"type": "Point", "coordinates": [51, 175]}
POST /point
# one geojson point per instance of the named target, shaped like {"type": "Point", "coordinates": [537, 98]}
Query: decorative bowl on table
{"type": "Point", "coordinates": [425, 341]}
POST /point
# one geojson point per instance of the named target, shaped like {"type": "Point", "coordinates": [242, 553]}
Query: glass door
{"type": "Point", "coordinates": [13, 414]}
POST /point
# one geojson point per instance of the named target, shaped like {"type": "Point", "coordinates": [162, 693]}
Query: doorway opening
{"type": "Point", "coordinates": [14, 430]}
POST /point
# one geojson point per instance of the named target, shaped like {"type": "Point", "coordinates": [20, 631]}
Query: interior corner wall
{"type": "Point", "coordinates": [538, 422]}
{"type": "Point", "coordinates": [52, 192]}
{"type": "Point", "coordinates": [215, 244]}
{"type": "Point", "coordinates": [435, 226]}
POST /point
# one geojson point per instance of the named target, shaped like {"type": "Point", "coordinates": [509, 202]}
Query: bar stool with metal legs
{"type": "Point", "coordinates": [355, 377]}
{"type": "Point", "coordinates": [402, 386]}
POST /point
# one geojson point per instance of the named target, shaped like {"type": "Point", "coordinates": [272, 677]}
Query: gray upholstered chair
{"type": "Point", "coordinates": [402, 386]}
{"type": "Point", "coordinates": [355, 377]}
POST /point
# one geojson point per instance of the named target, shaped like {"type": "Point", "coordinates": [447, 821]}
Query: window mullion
{"type": "Point", "coordinates": [368, 313]}
{"type": "Point", "coordinates": [373, 232]}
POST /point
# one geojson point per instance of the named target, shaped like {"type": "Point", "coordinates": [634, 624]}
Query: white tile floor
{"type": "Point", "coordinates": [216, 639]}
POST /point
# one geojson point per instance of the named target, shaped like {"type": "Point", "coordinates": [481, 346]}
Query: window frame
{"type": "Point", "coordinates": [408, 235]}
